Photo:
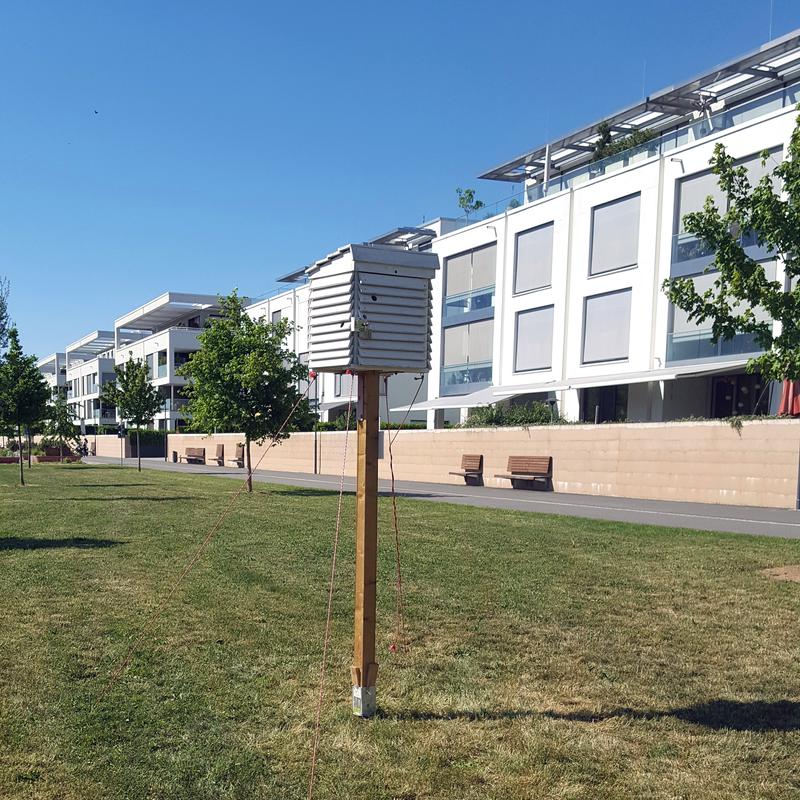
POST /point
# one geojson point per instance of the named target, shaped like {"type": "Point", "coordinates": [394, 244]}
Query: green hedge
{"type": "Point", "coordinates": [147, 435]}
{"type": "Point", "coordinates": [522, 415]}
{"type": "Point", "coordinates": [340, 424]}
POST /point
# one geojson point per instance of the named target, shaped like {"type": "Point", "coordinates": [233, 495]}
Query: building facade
{"type": "Point", "coordinates": [163, 333]}
{"type": "Point", "coordinates": [559, 296]}
{"type": "Point", "coordinates": [54, 370]}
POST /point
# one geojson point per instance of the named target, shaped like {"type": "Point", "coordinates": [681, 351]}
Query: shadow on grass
{"type": "Point", "coordinates": [124, 499]}
{"type": "Point", "coordinates": [302, 491]}
{"type": "Point", "coordinates": [28, 543]}
{"type": "Point", "coordinates": [108, 485]}
{"type": "Point", "coordinates": [756, 716]}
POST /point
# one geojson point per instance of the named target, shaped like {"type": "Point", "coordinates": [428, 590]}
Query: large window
{"type": "Point", "coordinates": [533, 259]}
{"type": "Point", "coordinates": [469, 281]}
{"type": "Point", "coordinates": [692, 191]}
{"type": "Point", "coordinates": [689, 340]}
{"type": "Point", "coordinates": [467, 356]}
{"type": "Point", "coordinates": [604, 404]}
{"type": "Point", "coordinates": [615, 235]}
{"type": "Point", "coordinates": [606, 326]}
{"type": "Point", "coordinates": [690, 256]}
{"type": "Point", "coordinates": [534, 340]}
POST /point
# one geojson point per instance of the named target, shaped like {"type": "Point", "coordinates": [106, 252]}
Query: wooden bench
{"type": "Point", "coordinates": [471, 468]}
{"type": "Point", "coordinates": [219, 455]}
{"type": "Point", "coordinates": [194, 455]}
{"type": "Point", "coordinates": [528, 468]}
{"type": "Point", "coordinates": [239, 460]}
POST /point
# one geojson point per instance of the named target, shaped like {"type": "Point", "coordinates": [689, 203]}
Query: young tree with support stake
{"type": "Point", "coordinates": [743, 298]}
{"type": "Point", "coordinates": [136, 399]}
{"type": "Point", "coordinates": [23, 392]}
{"type": "Point", "coordinates": [59, 426]}
{"type": "Point", "coordinates": [244, 378]}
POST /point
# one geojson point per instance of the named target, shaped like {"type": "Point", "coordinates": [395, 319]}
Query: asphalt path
{"type": "Point", "coordinates": [699, 516]}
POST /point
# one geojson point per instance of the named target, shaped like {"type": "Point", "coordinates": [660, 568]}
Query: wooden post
{"type": "Point", "coordinates": [365, 669]}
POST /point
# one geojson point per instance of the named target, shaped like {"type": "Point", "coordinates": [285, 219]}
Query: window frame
{"type": "Point", "coordinates": [604, 204]}
{"type": "Point", "coordinates": [619, 360]}
{"type": "Point", "coordinates": [517, 316]}
{"type": "Point", "coordinates": [514, 292]}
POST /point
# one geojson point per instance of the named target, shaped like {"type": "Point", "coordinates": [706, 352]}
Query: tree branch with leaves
{"type": "Point", "coordinates": [743, 298]}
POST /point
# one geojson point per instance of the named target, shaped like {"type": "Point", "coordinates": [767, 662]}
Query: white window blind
{"type": "Point", "coordinates": [483, 266]}
{"type": "Point", "coordinates": [606, 326]}
{"type": "Point", "coordinates": [615, 235]}
{"type": "Point", "coordinates": [468, 343]}
{"type": "Point", "coordinates": [533, 261]}
{"type": "Point", "coordinates": [470, 271]}
{"type": "Point", "coordinates": [534, 339]}
{"type": "Point", "coordinates": [480, 340]}
{"type": "Point", "coordinates": [680, 319]}
{"type": "Point", "coordinates": [458, 277]}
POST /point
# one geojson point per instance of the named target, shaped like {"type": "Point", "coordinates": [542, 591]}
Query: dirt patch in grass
{"type": "Point", "coordinates": [789, 573]}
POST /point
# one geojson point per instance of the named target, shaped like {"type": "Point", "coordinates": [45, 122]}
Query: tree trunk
{"type": "Point", "coordinates": [21, 470]}
{"type": "Point", "coordinates": [60, 451]}
{"type": "Point", "coordinates": [138, 450]}
{"type": "Point", "coordinates": [249, 464]}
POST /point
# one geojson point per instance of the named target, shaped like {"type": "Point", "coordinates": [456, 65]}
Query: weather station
{"type": "Point", "coordinates": [369, 315]}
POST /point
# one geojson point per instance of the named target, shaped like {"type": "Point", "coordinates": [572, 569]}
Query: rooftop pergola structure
{"type": "Point", "coordinates": [771, 67]}
{"type": "Point", "coordinates": [159, 314]}
{"type": "Point", "coordinates": [49, 364]}
{"type": "Point", "coordinates": [90, 346]}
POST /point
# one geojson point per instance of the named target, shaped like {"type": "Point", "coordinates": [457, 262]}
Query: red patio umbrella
{"type": "Point", "coordinates": [790, 399]}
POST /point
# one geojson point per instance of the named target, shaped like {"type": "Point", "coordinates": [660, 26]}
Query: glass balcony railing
{"type": "Point", "coordinates": [162, 371]}
{"type": "Point", "coordinates": [478, 299]}
{"type": "Point", "coordinates": [697, 345]}
{"type": "Point", "coordinates": [465, 378]}
{"type": "Point", "coordinates": [178, 404]}
{"type": "Point", "coordinates": [690, 255]}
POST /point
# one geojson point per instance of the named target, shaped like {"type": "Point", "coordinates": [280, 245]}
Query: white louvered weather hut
{"type": "Point", "coordinates": [370, 309]}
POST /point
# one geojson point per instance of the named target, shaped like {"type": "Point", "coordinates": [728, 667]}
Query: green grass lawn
{"type": "Point", "coordinates": [550, 657]}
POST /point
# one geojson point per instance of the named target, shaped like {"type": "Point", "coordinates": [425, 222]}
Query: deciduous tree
{"type": "Point", "coordinates": [59, 427]}
{"type": "Point", "coordinates": [23, 392]}
{"type": "Point", "coordinates": [136, 399]}
{"type": "Point", "coordinates": [244, 378]}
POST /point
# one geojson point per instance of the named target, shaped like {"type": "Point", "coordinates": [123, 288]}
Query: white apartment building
{"type": "Point", "coordinates": [558, 296]}
{"type": "Point", "coordinates": [163, 333]}
{"type": "Point", "coordinates": [90, 365]}
{"type": "Point", "coordinates": [54, 370]}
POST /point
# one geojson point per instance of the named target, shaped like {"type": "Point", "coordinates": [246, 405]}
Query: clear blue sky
{"type": "Point", "coordinates": [236, 141]}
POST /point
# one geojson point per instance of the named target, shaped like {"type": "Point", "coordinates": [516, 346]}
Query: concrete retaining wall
{"type": "Point", "coordinates": [109, 445]}
{"type": "Point", "coordinates": [709, 462]}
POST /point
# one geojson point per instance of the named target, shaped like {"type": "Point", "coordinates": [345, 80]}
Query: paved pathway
{"type": "Point", "coordinates": [701, 516]}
